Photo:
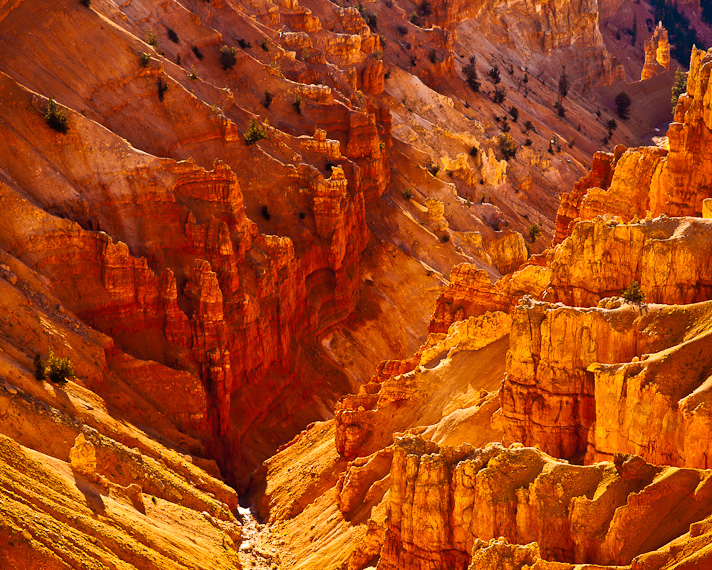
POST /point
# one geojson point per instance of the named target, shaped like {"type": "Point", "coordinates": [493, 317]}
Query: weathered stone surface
{"type": "Point", "coordinates": [668, 257]}
{"type": "Point", "coordinates": [402, 390]}
{"type": "Point", "coordinates": [472, 293]}
{"type": "Point", "coordinates": [571, 402]}
{"type": "Point", "coordinates": [649, 179]}
{"type": "Point", "coordinates": [657, 53]}
{"type": "Point", "coordinates": [445, 503]}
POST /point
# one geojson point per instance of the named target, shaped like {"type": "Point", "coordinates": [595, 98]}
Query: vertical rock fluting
{"type": "Point", "coordinates": [182, 276]}
{"type": "Point", "coordinates": [448, 506]}
{"type": "Point", "coordinates": [567, 391]}
{"type": "Point", "coordinates": [666, 256]}
{"type": "Point", "coordinates": [471, 292]}
{"type": "Point", "coordinates": [548, 394]}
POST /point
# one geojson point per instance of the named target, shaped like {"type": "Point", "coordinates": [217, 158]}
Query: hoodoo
{"type": "Point", "coordinates": [388, 285]}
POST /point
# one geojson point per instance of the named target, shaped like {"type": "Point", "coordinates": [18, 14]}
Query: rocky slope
{"type": "Point", "coordinates": [616, 390]}
{"type": "Point", "coordinates": [227, 275]}
{"type": "Point", "coordinates": [226, 214]}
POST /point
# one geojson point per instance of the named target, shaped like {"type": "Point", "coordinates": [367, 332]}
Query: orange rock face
{"type": "Point", "coordinates": [665, 256]}
{"type": "Point", "coordinates": [237, 210]}
{"type": "Point", "coordinates": [657, 53]}
{"type": "Point", "coordinates": [448, 506]}
{"type": "Point", "coordinates": [192, 281]}
{"type": "Point", "coordinates": [560, 399]}
{"type": "Point", "coordinates": [471, 293]}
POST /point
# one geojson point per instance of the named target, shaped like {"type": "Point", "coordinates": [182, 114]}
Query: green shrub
{"type": "Point", "coordinates": [162, 88]}
{"type": "Point", "coordinates": [534, 232]}
{"type": "Point", "coordinates": [470, 71]}
{"type": "Point", "coordinates": [56, 117]}
{"type": "Point", "coordinates": [151, 37]}
{"type": "Point", "coordinates": [499, 95]}
{"type": "Point", "coordinates": [255, 132]}
{"type": "Point", "coordinates": [228, 56]}
{"type": "Point", "coordinates": [494, 74]}
{"type": "Point", "coordinates": [507, 146]}
{"type": "Point", "coordinates": [633, 293]}
{"type": "Point", "coordinates": [680, 85]}
{"type": "Point", "coordinates": [264, 45]}
{"type": "Point", "coordinates": [407, 193]}
{"type": "Point", "coordinates": [59, 370]}
{"type": "Point", "coordinates": [144, 58]}
{"type": "Point", "coordinates": [192, 73]}
{"type": "Point", "coordinates": [623, 105]}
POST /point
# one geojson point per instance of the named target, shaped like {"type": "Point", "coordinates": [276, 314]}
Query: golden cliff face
{"type": "Point", "coordinates": [248, 211]}
{"type": "Point", "coordinates": [446, 503]}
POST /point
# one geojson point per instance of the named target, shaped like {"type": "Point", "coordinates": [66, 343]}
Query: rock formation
{"type": "Point", "coordinates": [650, 179]}
{"type": "Point", "coordinates": [448, 506]}
{"type": "Point", "coordinates": [229, 218]}
{"type": "Point", "coordinates": [657, 53]}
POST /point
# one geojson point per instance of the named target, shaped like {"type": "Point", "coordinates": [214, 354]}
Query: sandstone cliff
{"type": "Point", "coordinates": [446, 503]}
{"type": "Point", "coordinates": [246, 214]}
{"type": "Point", "coordinates": [650, 179]}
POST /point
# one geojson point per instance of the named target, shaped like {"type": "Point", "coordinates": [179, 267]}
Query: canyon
{"type": "Point", "coordinates": [330, 305]}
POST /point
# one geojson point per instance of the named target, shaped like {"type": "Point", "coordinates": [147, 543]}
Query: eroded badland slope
{"type": "Point", "coordinates": [254, 217]}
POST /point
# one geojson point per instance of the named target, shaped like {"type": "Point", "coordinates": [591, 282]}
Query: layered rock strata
{"type": "Point", "coordinates": [447, 504]}
{"type": "Point", "coordinates": [566, 391]}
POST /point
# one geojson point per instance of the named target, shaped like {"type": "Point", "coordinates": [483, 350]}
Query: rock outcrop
{"type": "Point", "coordinates": [448, 506]}
{"type": "Point", "coordinates": [657, 53]}
{"type": "Point", "coordinates": [666, 256]}
{"type": "Point", "coordinates": [472, 293]}
{"type": "Point", "coordinates": [414, 390]}
{"type": "Point", "coordinates": [651, 179]}
{"type": "Point", "coordinates": [563, 399]}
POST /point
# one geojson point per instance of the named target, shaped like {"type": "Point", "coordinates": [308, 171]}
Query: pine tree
{"type": "Point", "coordinates": [678, 88]}
{"type": "Point", "coordinates": [470, 71]}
